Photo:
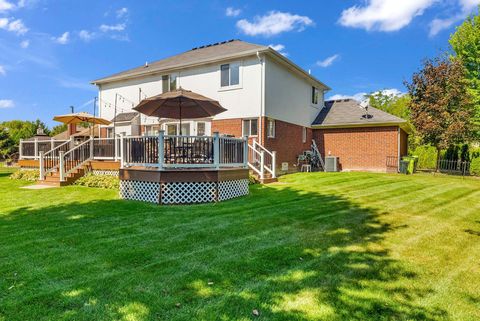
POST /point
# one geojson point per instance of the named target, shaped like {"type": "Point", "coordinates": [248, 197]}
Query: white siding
{"type": "Point", "coordinates": [288, 97]}
{"type": "Point", "coordinates": [240, 102]}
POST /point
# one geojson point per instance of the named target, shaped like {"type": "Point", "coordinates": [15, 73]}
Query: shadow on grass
{"type": "Point", "coordinates": [290, 254]}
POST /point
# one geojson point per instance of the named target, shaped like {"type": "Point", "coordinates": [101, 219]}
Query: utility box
{"type": "Point", "coordinates": [331, 164]}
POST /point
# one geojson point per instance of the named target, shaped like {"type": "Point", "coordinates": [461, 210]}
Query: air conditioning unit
{"type": "Point", "coordinates": [331, 164]}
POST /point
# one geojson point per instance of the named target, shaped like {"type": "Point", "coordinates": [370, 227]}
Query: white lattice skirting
{"type": "Point", "coordinates": [140, 191]}
{"type": "Point", "coordinates": [183, 192]}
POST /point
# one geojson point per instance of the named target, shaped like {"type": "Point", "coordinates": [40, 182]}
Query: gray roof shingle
{"type": "Point", "coordinates": [348, 112]}
{"type": "Point", "coordinates": [195, 56]}
{"type": "Point", "coordinates": [124, 117]}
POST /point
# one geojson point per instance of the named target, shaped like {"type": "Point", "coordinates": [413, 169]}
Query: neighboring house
{"type": "Point", "coordinates": [268, 98]}
{"type": "Point", "coordinates": [128, 124]}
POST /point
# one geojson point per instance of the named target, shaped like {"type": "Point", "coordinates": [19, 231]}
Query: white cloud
{"type": "Point", "coordinates": [232, 12]}
{"type": "Point", "coordinates": [6, 103]}
{"type": "Point", "coordinates": [466, 6]}
{"type": "Point", "coordinates": [117, 27]}
{"type": "Point", "coordinates": [328, 61]}
{"type": "Point", "coordinates": [86, 35]}
{"type": "Point", "coordinates": [280, 48]}
{"type": "Point", "coordinates": [63, 39]}
{"type": "Point", "coordinates": [384, 15]}
{"type": "Point", "coordinates": [362, 96]}
{"type": "Point", "coordinates": [6, 5]}
{"type": "Point", "coordinates": [3, 72]}
{"type": "Point", "coordinates": [122, 12]}
{"type": "Point", "coordinates": [25, 44]}
{"type": "Point", "coordinates": [273, 23]}
{"type": "Point", "coordinates": [15, 26]}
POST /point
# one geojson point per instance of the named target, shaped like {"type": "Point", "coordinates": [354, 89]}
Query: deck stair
{"type": "Point", "coordinates": [53, 178]}
{"type": "Point", "coordinates": [262, 163]}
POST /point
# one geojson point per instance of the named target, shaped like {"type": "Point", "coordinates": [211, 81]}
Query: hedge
{"type": "Point", "coordinates": [99, 181]}
{"type": "Point", "coordinates": [26, 175]}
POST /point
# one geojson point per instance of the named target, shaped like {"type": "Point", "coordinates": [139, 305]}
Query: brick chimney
{"type": "Point", "coordinates": [72, 129]}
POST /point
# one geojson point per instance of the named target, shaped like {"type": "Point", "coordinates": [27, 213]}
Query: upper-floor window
{"type": "Point", "coordinates": [315, 95]}
{"type": "Point", "coordinates": [229, 75]}
{"type": "Point", "coordinates": [169, 82]}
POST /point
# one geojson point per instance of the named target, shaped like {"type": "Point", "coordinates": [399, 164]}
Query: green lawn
{"type": "Point", "coordinates": [339, 246]}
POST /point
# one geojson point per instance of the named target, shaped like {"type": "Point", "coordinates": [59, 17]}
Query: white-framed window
{"type": "Point", "coordinates": [250, 127]}
{"type": "Point", "coordinates": [230, 75]}
{"type": "Point", "coordinates": [315, 95]}
{"type": "Point", "coordinates": [151, 130]}
{"type": "Point", "coordinates": [271, 128]}
{"type": "Point", "coordinates": [169, 82]}
{"type": "Point", "coordinates": [201, 130]}
{"type": "Point", "coordinates": [174, 129]}
{"type": "Point", "coordinates": [304, 134]}
{"type": "Point", "coordinates": [109, 132]}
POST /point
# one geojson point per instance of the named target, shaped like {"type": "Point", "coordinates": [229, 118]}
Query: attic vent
{"type": "Point", "coordinates": [213, 44]}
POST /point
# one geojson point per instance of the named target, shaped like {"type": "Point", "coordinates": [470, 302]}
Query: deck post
{"type": "Point", "coordinates": [115, 146]}
{"type": "Point", "coordinates": [91, 147]}
{"type": "Point", "coordinates": [61, 165]}
{"type": "Point", "coordinates": [274, 164]}
{"type": "Point", "coordinates": [245, 151]}
{"type": "Point", "coordinates": [35, 148]}
{"type": "Point", "coordinates": [20, 149]}
{"type": "Point", "coordinates": [161, 148]}
{"type": "Point", "coordinates": [216, 150]}
{"type": "Point", "coordinates": [42, 165]}
{"type": "Point", "coordinates": [262, 164]}
{"type": "Point", "coordinates": [52, 143]}
{"type": "Point", "coordinates": [122, 140]}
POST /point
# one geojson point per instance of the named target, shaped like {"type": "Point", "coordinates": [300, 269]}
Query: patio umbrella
{"type": "Point", "coordinates": [82, 117]}
{"type": "Point", "coordinates": [178, 104]}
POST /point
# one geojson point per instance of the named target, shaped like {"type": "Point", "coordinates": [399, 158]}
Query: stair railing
{"type": "Point", "coordinates": [50, 160]}
{"type": "Point", "coordinates": [75, 157]}
{"type": "Point", "coordinates": [256, 161]}
{"type": "Point", "coordinates": [270, 158]}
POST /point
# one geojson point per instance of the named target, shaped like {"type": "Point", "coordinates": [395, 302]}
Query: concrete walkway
{"type": "Point", "coordinates": [38, 186]}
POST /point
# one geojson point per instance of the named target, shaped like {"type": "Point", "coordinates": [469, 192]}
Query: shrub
{"type": "Point", "coordinates": [252, 180]}
{"type": "Point", "coordinates": [475, 166]}
{"type": "Point", "coordinates": [427, 156]}
{"type": "Point", "coordinates": [26, 175]}
{"type": "Point", "coordinates": [99, 181]}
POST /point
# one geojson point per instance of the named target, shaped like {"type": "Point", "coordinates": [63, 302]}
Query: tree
{"type": "Point", "coordinates": [7, 146]}
{"type": "Point", "coordinates": [19, 129]}
{"type": "Point", "coordinates": [440, 108]}
{"type": "Point", "coordinates": [466, 44]}
{"type": "Point", "coordinates": [58, 129]}
{"type": "Point", "coordinates": [394, 104]}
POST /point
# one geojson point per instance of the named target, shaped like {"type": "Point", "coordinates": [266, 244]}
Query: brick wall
{"type": "Point", "coordinates": [228, 126]}
{"type": "Point", "coordinates": [287, 142]}
{"type": "Point", "coordinates": [359, 148]}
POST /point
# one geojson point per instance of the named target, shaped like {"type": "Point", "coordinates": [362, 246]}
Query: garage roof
{"type": "Point", "coordinates": [349, 113]}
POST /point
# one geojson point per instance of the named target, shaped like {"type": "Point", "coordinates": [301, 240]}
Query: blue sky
{"type": "Point", "coordinates": [50, 50]}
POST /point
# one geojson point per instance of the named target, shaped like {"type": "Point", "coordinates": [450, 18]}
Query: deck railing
{"type": "Point", "coordinates": [261, 160]}
{"type": "Point", "coordinates": [30, 149]}
{"type": "Point", "coordinates": [106, 148]}
{"type": "Point", "coordinates": [172, 151]}
{"type": "Point", "coordinates": [50, 161]}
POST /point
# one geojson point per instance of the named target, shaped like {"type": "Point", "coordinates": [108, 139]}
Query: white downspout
{"type": "Point", "coordinates": [262, 93]}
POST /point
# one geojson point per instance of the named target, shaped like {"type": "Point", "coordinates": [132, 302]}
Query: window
{"type": "Point", "coordinates": [185, 129]}
{"type": "Point", "coordinates": [169, 82]}
{"type": "Point", "coordinates": [173, 82]}
{"type": "Point", "coordinates": [110, 132]}
{"type": "Point", "coordinates": [165, 83]}
{"type": "Point", "coordinates": [201, 129]}
{"type": "Point", "coordinates": [151, 130]}
{"type": "Point", "coordinates": [314, 96]}
{"type": "Point", "coordinates": [271, 128]}
{"type": "Point", "coordinates": [250, 127]}
{"type": "Point", "coordinates": [171, 129]}
{"type": "Point", "coordinates": [304, 134]}
{"type": "Point", "coordinates": [229, 75]}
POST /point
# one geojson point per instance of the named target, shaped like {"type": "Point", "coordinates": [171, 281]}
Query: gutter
{"type": "Point", "coordinates": [402, 125]}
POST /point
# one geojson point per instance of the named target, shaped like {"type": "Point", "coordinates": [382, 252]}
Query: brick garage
{"type": "Point", "coordinates": [363, 148]}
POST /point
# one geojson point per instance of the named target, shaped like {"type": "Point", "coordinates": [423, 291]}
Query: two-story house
{"type": "Point", "coordinates": [268, 98]}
